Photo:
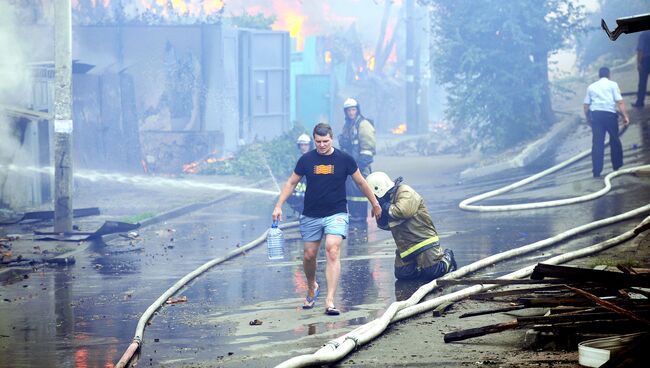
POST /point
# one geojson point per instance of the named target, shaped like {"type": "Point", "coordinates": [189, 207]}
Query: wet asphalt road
{"type": "Point", "coordinates": [85, 315]}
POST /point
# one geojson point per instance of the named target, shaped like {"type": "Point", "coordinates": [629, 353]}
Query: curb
{"type": "Point", "coordinates": [529, 154]}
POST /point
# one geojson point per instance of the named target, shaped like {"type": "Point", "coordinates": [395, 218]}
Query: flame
{"type": "Point", "coordinates": [292, 22]}
{"type": "Point", "coordinates": [401, 129]}
{"type": "Point", "coordinates": [328, 57]}
{"type": "Point", "coordinates": [198, 166]}
{"type": "Point", "coordinates": [370, 60]}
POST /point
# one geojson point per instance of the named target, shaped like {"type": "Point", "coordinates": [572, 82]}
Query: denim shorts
{"type": "Point", "coordinates": [313, 228]}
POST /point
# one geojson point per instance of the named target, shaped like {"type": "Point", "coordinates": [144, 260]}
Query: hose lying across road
{"type": "Point", "coordinates": [338, 348]}
{"type": "Point", "coordinates": [139, 331]}
{"type": "Point", "coordinates": [466, 204]}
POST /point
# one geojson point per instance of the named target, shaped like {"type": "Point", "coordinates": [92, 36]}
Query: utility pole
{"type": "Point", "coordinates": [63, 116]}
{"type": "Point", "coordinates": [412, 119]}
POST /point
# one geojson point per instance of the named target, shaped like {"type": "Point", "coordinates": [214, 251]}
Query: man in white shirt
{"type": "Point", "coordinates": [602, 99]}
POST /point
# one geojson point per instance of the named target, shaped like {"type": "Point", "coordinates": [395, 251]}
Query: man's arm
{"type": "Point", "coordinates": [586, 109]}
{"type": "Point", "coordinates": [288, 188]}
{"type": "Point", "coordinates": [621, 107]}
{"type": "Point", "coordinates": [365, 188]}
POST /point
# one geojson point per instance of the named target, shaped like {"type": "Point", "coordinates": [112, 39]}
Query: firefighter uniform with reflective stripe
{"type": "Point", "coordinates": [358, 140]}
{"type": "Point", "coordinates": [297, 198]}
{"type": "Point", "coordinates": [418, 253]}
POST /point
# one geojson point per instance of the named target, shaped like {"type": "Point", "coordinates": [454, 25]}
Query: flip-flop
{"type": "Point", "coordinates": [332, 311]}
{"type": "Point", "coordinates": [310, 302]}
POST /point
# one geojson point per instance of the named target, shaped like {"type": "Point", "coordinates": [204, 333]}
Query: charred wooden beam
{"type": "Point", "coordinates": [442, 309]}
{"type": "Point", "coordinates": [492, 311]}
{"type": "Point", "coordinates": [479, 331]}
{"type": "Point", "coordinates": [611, 306]}
{"type": "Point", "coordinates": [576, 274]}
{"type": "Point", "coordinates": [576, 317]}
{"type": "Point", "coordinates": [502, 293]}
{"type": "Point", "coordinates": [485, 281]}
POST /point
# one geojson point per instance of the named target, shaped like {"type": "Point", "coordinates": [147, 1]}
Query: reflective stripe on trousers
{"type": "Point", "coordinates": [418, 246]}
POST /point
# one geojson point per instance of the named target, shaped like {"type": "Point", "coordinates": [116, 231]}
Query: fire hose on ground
{"type": "Point", "coordinates": [337, 349]}
{"type": "Point", "coordinates": [142, 322]}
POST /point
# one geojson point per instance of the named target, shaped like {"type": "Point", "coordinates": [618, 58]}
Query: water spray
{"type": "Point", "coordinates": [148, 181]}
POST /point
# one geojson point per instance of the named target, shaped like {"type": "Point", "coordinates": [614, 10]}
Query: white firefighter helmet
{"type": "Point", "coordinates": [379, 183]}
{"type": "Point", "coordinates": [350, 102]}
{"type": "Point", "coordinates": [303, 139]}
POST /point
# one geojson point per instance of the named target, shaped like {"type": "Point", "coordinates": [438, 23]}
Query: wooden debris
{"type": "Point", "coordinates": [492, 311]}
{"type": "Point", "coordinates": [442, 309]}
{"type": "Point", "coordinates": [480, 331]}
{"type": "Point", "coordinates": [576, 274]}
{"type": "Point", "coordinates": [611, 306]}
{"type": "Point", "coordinates": [578, 300]}
{"type": "Point", "coordinates": [171, 300]}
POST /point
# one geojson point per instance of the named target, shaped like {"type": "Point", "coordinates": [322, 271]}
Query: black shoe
{"type": "Point", "coordinates": [637, 104]}
{"type": "Point", "coordinates": [449, 259]}
{"type": "Point", "coordinates": [596, 175]}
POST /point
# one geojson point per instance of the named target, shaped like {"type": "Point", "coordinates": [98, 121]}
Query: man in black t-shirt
{"type": "Point", "coordinates": [325, 214]}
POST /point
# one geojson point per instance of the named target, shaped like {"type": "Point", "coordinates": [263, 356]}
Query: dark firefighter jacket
{"type": "Point", "coordinates": [358, 140]}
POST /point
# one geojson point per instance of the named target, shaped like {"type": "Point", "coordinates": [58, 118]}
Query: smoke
{"type": "Point", "coordinates": [14, 91]}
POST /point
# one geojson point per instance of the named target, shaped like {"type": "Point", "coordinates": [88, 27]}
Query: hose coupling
{"type": "Point", "coordinates": [354, 340]}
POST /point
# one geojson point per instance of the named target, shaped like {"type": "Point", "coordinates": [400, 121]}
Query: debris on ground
{"type": "Point", "coordinates": [172, 300]}
{"type": "Point", "coordinates": [575, 304]}
{"type": "Point", "coordinates": [255, 322]}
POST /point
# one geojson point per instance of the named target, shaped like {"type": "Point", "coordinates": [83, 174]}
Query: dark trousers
{"type": "Point", "coordinates": [643, 81]}
{"type": "Point", "coordinates": [412, 272]}
{"type": "Point", "coordinates": [605, 122]}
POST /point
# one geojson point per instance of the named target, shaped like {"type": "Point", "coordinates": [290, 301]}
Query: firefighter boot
{"type": "Point", "coordinates": [449, 260]}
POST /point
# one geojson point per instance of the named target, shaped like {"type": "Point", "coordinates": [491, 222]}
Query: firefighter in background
{"type": "Point", "coordinates": [418, 254]}
{"type": "Point", "coordinates": [357, 140]}
{"type": "Point", "coordinates": [297, 198]}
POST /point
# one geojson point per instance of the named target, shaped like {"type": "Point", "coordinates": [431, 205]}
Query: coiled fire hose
{"type": "Point", "coordinates": [467, 203]}
{"type": "Point", "coordinates": [142, 322]}
{"type": "Point", "coordinates": [337, 349]}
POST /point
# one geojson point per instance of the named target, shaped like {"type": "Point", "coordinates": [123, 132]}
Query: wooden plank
{"type": "Point", "coordinates": [479, 331]}
{"type": "Point", "coordinates": [553, 302]}
{"type": "Point", "coordinates": [502, 293]}
{"type": "Point", "coordinates": [576, 274]}
{"type": "Point", "coordinates": [561, 318]}
{"type": "Point", "coordinates": [492, 311]}
{"type": "Point", "coordinates": [442, 309]}
{"type": "Point", "coordinates": [485, 281]}
{"type": "Point", "coordinates": [611, 306]}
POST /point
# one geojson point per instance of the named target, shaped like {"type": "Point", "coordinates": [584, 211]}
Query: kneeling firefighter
{"type": "Point", "coordinates": [357, 140]}
{"type": "Point", "coordinates": [419, 254]}
{"type": "Point", "coordinates": [297, 199]}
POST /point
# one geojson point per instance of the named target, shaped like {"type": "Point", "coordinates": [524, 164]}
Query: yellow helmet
{"type": "Point", "coordinates": [380, 183]}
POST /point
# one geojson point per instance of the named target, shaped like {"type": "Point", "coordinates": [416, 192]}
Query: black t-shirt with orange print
{"type": "Point", "coordinates": [326, 175]}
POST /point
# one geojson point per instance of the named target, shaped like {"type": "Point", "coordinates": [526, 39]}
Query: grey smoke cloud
{"type": "Point", "coordinates": [14, 90]}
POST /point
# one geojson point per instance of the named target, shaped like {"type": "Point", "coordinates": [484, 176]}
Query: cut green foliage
{"type": "Point", "coordinates": [256, 21]}
{"type": "Point", "coordinates": [278, 155]}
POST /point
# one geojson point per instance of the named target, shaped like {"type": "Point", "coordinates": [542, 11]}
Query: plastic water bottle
{"type": "Point", "coordinates": [275, 242]}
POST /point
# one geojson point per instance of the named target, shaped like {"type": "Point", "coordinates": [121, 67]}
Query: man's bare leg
{"type": "Point", "coordinates": [333, 268]}
{"type": "Point", "coordinates": [309, 265]}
